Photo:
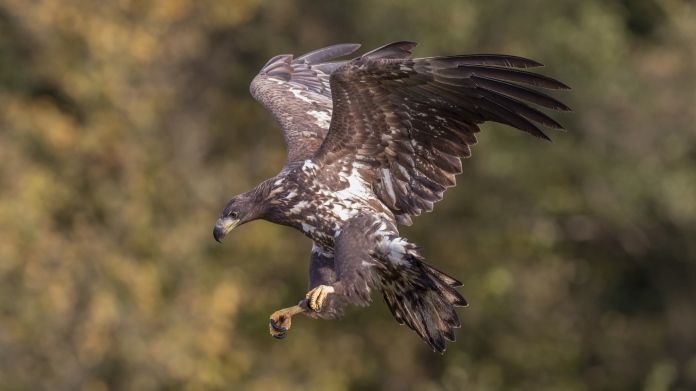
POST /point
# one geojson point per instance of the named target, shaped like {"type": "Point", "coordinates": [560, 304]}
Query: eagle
{"type": "Point", "coordinates": [372, 142]}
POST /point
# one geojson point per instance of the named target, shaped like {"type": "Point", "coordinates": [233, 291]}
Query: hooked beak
{"type": "Point", "coordinates": [223, 226]}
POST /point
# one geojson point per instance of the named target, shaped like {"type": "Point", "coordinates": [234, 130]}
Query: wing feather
{"type": "Point", "coordinates": [298, 95]}
{"type": "Point", "coordinates": [408, 122]}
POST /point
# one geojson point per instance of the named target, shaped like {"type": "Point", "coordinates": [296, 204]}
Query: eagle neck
{"type": "Point", "coordinates": [271, 195]}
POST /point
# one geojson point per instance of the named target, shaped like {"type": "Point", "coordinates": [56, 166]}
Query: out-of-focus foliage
{"type": "Point", "coordinates": [126, 125]}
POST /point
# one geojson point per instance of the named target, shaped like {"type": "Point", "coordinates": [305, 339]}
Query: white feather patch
{"type": "Point", "coordinates": [386, 180]}
{"type": "Point", "coordinates": [394, 250]}
{"type": "Point", "coordinates": [308, 228]}
{"type": "Point", "coordinates": [316, 249]}
{"type": "Point", "coordinates": [298, 94]}
{"type": "Point", "coordinates": [356, 187]}
{"type": "Point", "coordinates": [309, 166]}
{"type": "Point", "coordinates": [323, 118]}
{"type": "Point", "coordinates": [299, 207]}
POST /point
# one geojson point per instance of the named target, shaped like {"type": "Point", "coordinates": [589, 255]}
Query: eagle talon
{"type": "Point", "coordinates": [279, 322]}
{"type": "Point", "coordinates": [276, 328]}
{"type": "Point", "coordinates": [282, 331]}
{"type": "Point", "coordinates": [316, 297]}
{"type": "Point", "coordinates": [280, 335]}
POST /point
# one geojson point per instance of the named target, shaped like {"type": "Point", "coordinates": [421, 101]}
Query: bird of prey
{"type": "Point", "coordinates": [372, 142]}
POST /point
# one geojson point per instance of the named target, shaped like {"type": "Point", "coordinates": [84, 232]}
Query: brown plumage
{"type": "Point", "coordinates": [371, 142]}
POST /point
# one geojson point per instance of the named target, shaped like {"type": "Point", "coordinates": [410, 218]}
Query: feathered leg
{"type": "Point", "coordinates": [322, 275]}
{"type": "Point", "coordinates": [353, 265]}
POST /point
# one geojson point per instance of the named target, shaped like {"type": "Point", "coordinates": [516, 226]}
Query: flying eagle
{"type": "Point", "coordinates": [370, 143]}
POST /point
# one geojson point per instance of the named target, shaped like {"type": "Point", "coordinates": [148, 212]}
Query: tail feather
{"type": "Point", "coordinates": [423, 298]}
{"type": "Point", "coordinates": [442, 276]}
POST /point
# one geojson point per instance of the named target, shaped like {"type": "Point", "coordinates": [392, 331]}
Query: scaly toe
{"type": "Point", "coordinates": [317, 296]}
{"type": "Point", "coordinates": [280, 323]}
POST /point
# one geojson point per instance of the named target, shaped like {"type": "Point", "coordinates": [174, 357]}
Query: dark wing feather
{"type": "Point", "coordinates": [401, 125]}
{"type": "Point", "coordinates": [298, 95]}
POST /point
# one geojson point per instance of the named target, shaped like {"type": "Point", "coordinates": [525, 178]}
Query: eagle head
{"type": "Point", "coordinates": [235, 213]}
{"type": "Point", "coordinates": [239, 210]}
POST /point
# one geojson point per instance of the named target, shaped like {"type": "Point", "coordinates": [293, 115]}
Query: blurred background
{"type": "Point", "coordinates": [125, 126]}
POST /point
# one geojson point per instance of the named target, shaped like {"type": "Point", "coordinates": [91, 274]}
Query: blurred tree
{"type": "Point", "coordinates": [125, 127]}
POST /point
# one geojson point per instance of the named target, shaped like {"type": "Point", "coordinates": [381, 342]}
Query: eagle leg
{"type": "Point", "coordinates": [279, 323]}
{"type": "Point", "coordinates": [321, 272]}
{"type": "Point", "coordinates": [317, 296]}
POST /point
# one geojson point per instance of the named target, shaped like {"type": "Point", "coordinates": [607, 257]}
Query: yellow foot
{"type": "Point", "coordinates": [280, 320]}
{"type": "Point", "coordinates": [317, 296]}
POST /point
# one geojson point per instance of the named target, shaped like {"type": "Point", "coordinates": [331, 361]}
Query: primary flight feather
{"type": "Point", "coordinates": [371, 142]}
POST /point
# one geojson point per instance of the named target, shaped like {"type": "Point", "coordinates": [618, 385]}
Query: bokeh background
{"type": "Point", "coordinates": [126, 125]}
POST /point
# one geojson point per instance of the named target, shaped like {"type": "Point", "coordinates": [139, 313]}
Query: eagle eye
{"type": "Point", "coordinates": [234, 215]}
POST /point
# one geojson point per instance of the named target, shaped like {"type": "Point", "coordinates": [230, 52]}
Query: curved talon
{"type": "Point", "coordinates": [279, 330]}
{"type": "Point", "coordinates": [276, 328]}
{"type": "Point", "coordinates": [281, 334]}
{"type": "Point", "coordinates": [282, 331]}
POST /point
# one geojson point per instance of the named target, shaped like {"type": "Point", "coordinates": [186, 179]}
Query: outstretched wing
{"type": "Point", "coordinates": [298, 95]}
{"type": "Point", "coordinates": [400, 125]}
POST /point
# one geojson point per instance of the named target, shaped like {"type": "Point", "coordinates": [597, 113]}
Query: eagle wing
{"type": "Point", "coordinates": [297, 93]}
{"type": "Point", "coordinates": [401, 125]}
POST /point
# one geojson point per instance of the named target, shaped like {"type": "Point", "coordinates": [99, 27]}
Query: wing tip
{"type": "Point", "coordinates": [523, 62]}
{"type": "Point", "coordinates": [399, 50]}
{"type": "Point", "coordinates": [276, 61]}
{"type": "Point", "coordinates": [543, 136]}
{"type": "Point", "coordinates": [563, 86]}
{"type": "Point", "coordinates": [327, 53]}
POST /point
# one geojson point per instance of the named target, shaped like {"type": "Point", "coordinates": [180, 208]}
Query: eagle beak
{"type": "Point", "coordinates": [223, 226]}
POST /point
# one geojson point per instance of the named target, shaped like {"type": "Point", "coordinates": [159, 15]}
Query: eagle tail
{"type": "Point", "coordinates": [423, 298]}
